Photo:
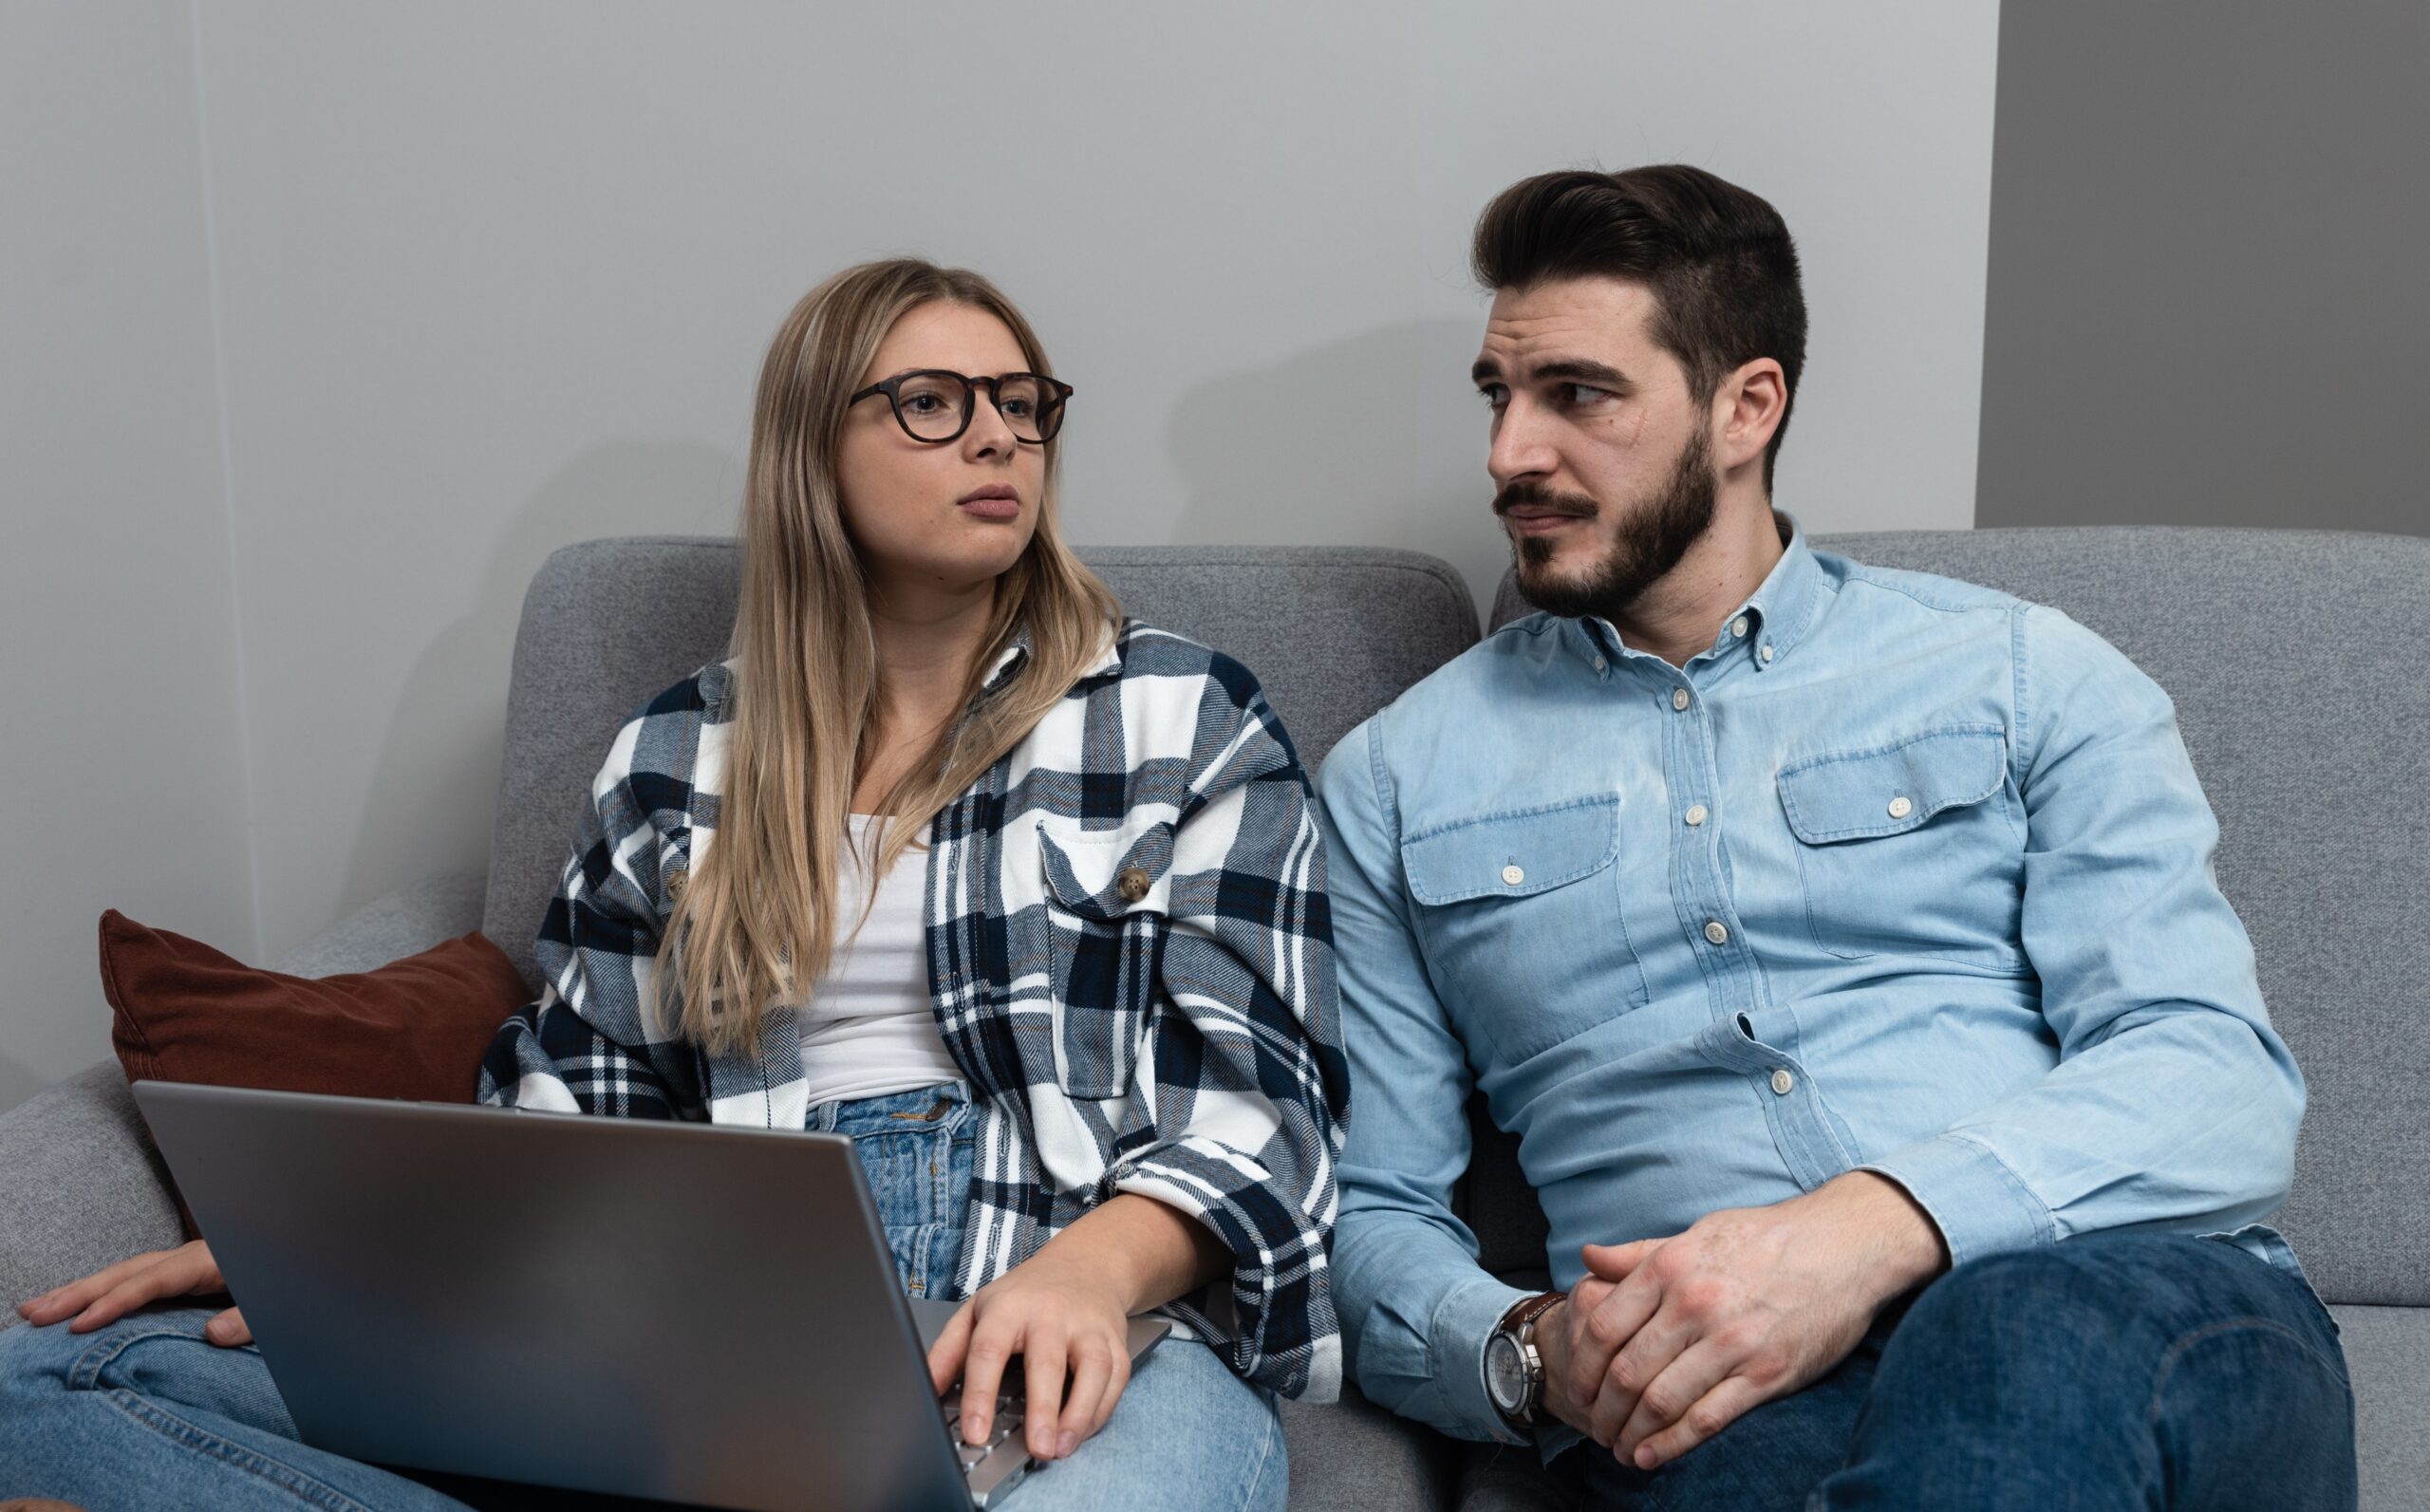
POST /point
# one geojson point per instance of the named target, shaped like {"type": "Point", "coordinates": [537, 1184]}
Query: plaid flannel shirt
{"type": "Point", "coordinates": [1129, 957]}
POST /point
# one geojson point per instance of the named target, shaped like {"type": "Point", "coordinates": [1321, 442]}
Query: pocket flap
{"type": "Point", "coordinates": [1513, 855]}
{"type": "Point", "coordinates": [1865, 795]}
{"type": "Point", "coordinates": [1105, 874]}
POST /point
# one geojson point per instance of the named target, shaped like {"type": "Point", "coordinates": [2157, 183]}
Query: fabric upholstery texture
{"type": "Point", "coordinates": [410, 919]}
{"type": "Point", "coordinates": [2387, 1354]}
{"type": "Point", "coordinates": [1352, 1455]}
{"type": "Point", "coordinates": [80, 1186]}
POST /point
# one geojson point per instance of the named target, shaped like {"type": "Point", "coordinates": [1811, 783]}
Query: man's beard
{"type": "Point", "coordinates": [1646, 543]}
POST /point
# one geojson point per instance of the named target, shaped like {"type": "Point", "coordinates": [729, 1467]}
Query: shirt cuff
{"type": "Point", "coordinates": [1970, 1195]}
{"type": "Point", "coordinates": [1462, 1325]}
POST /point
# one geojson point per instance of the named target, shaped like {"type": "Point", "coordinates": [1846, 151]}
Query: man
{"type": "Point", "coordinates": [1844, 949]}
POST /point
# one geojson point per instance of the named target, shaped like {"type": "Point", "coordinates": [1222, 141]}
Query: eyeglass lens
{"type": "Point", "coordinates": [935, 406]}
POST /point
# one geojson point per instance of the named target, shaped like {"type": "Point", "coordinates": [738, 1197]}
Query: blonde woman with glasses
{"type": "Point", "coordinates": [948, 857]}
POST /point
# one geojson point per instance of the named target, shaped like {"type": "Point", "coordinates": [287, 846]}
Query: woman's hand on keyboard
{"type": "Point", "coordinates": [108, 1296]}
{"type": "Point", "coordinates": [1071, 1329]}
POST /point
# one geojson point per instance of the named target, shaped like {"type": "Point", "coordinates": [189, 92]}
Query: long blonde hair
{"type": "Point", "coordinates": [760, 918]}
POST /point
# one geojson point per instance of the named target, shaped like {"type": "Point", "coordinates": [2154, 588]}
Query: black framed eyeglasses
{"type": "Point", "coordinates": [935, 404]}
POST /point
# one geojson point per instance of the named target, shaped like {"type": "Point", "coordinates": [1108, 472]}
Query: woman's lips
{"type": "Point", "coordinates": [992, 506]}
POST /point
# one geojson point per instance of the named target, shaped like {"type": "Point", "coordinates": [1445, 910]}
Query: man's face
{"type": "Point", "coordinates": [1600, 454]}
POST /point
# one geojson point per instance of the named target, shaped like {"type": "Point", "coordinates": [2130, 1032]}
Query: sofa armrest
{"type": "Point", "coordinates": [80, 1186]}
{"type": "Point", "coordinates": [404, 922]}
{"type": "Point", "coordinates": [1350, 1455]}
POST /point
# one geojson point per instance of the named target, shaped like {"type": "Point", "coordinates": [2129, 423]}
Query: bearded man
{"type": "Point", "coordinates": [1842, 947]}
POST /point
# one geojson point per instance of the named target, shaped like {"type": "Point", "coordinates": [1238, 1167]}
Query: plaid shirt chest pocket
{"type": "Point", "coordinates": [1108, 914]}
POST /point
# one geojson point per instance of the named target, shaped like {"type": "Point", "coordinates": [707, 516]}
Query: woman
{"type": "Point", "coordinates": [949, 858]}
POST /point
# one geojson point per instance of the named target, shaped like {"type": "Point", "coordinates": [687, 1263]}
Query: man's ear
{"type": "Point", "coordinates": [1747, 409]}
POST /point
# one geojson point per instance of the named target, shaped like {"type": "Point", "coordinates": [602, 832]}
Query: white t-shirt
{"type": "Point", "coordinates": [868, 1029]}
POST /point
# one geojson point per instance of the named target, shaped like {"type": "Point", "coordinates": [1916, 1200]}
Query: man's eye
{"type": "Point", "coordinates": [1494, 395]}
{"type": "Point", "coordinates": [1575, 394]}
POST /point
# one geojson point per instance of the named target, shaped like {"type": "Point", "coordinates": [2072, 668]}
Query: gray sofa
{"type": "Point", "coordinates": [2292, 657]}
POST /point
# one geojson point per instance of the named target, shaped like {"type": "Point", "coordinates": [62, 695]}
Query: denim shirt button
{"type": "Point", "coordinates": [1783, 1083]}
{"type": "Point", "coordinates": [1679, 698]}
{"type": "Point", "coordinates": [1717, 932]}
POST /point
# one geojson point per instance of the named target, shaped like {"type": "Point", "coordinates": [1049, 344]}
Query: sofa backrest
{"type": "Point", "coordinates": [1333, 633]}
{"type": "Point", "coordinates": [2290, 656]}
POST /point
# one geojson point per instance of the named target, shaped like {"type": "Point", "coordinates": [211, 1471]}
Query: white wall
{"type": "Point", "coordinates": [123, 745]}
{"type": "Point", "coordinates": [496, 277]}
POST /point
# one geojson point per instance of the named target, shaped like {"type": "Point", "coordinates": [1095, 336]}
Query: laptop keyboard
{"type": "Point", "coordinates": [1006, 1427]}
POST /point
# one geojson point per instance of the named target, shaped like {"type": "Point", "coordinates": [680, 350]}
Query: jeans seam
{"type": "Point", "coordinates": [86, 1373]}
{"type": "Point", "coordinates": [193, 1436]}
{"type": "Point", "coordinates": [1265, 1455]}
{"type": "Point", "coordinates": [2220, 1330]}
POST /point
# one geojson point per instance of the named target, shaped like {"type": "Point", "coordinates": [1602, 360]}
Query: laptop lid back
{"type": "Point", "coordinates": [672, 1311]}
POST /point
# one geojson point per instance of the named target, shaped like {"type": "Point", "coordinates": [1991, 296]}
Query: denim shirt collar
{"type": "Point", "coordinates": [1777, 615]}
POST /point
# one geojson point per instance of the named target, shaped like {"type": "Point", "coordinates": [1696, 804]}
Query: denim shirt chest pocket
{"type": "Point", "coordinates": [1109, 896]}
{"type": "Point", "coordinates": [1911, 847]}
{"type": "Point", "coordinates": [1518, 914]}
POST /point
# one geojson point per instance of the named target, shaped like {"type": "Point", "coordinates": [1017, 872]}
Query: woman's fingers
{"type": "Point", "coordinates": [945, 1355]}
{"type": "Point", "coordinates": [74, 1296]}
{"type": "Point", "coordinates": [1091, 1371]}
{"type": "Point", "coordinates": [1042, 1366]}
{"type": "Point", "coordinates": [179, 1272]}
{"type": "Point", "coordinates": [1118, 1382]}
{"type": "Point", "coordinates": [983, 1376]}
{"type": "Point", "coordinates": [228, 1329]}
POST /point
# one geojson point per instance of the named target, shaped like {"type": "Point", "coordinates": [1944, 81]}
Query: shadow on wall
{"type": "Point", "coordinates": [433, 788]}
{"type": "Point", "coordinates": [1375, 440]}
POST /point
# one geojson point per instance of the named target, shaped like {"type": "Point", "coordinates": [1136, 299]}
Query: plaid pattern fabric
{"type": "Point", "coordinates": [1129, 958]}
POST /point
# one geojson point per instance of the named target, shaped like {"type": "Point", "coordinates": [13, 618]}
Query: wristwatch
{"type": "Point", "coordinates": [1514, 1373]}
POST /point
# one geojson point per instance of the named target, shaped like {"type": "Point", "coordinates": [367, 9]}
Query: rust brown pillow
{"type": "Point", "coordinates": [413, 1029]}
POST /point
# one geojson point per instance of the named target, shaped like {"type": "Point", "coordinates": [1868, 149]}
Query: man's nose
{"type": "Point", "coordinates": [1520, 445]}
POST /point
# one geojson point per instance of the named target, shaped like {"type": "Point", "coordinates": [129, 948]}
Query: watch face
{"type": "Point", "coordinates": [1506, 1375]}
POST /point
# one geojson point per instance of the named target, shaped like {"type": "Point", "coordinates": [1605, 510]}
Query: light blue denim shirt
{"type": "Point", "coordinates": [1901, 875]}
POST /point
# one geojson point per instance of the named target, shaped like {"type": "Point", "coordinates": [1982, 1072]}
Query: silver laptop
{"type": "Point", "coordinates": [671, 1311]}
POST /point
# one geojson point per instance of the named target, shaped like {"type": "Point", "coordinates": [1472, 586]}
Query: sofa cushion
{"type": "Point", "coordinates": [413, 1029]}
{"type": "Point", "coordinates": [1333, 633]}
{"type": "Point", "coordinates": [2290, 656]}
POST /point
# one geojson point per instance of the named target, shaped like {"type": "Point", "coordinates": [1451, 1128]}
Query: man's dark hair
{"type": "Point", "coordinates": [1718, 261]}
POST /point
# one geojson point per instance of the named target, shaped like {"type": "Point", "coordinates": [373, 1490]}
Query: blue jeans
{"type": "Point", "coordinates": [146, 1414]}
{"type": "Point", "coordinates": [2125, 1370]}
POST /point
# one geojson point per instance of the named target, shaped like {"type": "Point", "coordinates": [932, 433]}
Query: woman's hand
{"type": "Point", "coordinates": [1073, 1335]}
{"type": "Point", "coordinates": [1066, 1311]}
{"type": "Point", "coordinates": [106, 1297]}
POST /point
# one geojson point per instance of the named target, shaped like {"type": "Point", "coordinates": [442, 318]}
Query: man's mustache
{"type": "Point", "coordinates": [1525, 495]}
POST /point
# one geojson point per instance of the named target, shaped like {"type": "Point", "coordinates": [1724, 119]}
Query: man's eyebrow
{"type": "Point", "coordinates": [1559, 370]}
{"type": "Point", "coordinates": [1581, 370]}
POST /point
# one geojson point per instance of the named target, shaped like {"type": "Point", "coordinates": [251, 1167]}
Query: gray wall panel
{"type": "Point", "coordinates": [2205, 294]}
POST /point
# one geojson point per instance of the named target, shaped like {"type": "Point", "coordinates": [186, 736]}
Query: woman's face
{"type": "Point", "coordinates": [940, 515]}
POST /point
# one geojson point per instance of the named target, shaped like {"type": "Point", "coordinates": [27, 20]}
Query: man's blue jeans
{"type": "Point", "coordinates": [147, 1414]}
{"type": "Point", "coordinates": [2125, 1370]}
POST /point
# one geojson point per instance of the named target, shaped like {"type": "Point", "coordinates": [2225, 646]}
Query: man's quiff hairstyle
{"type": "Point", "coordinates": [1718, 261]}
